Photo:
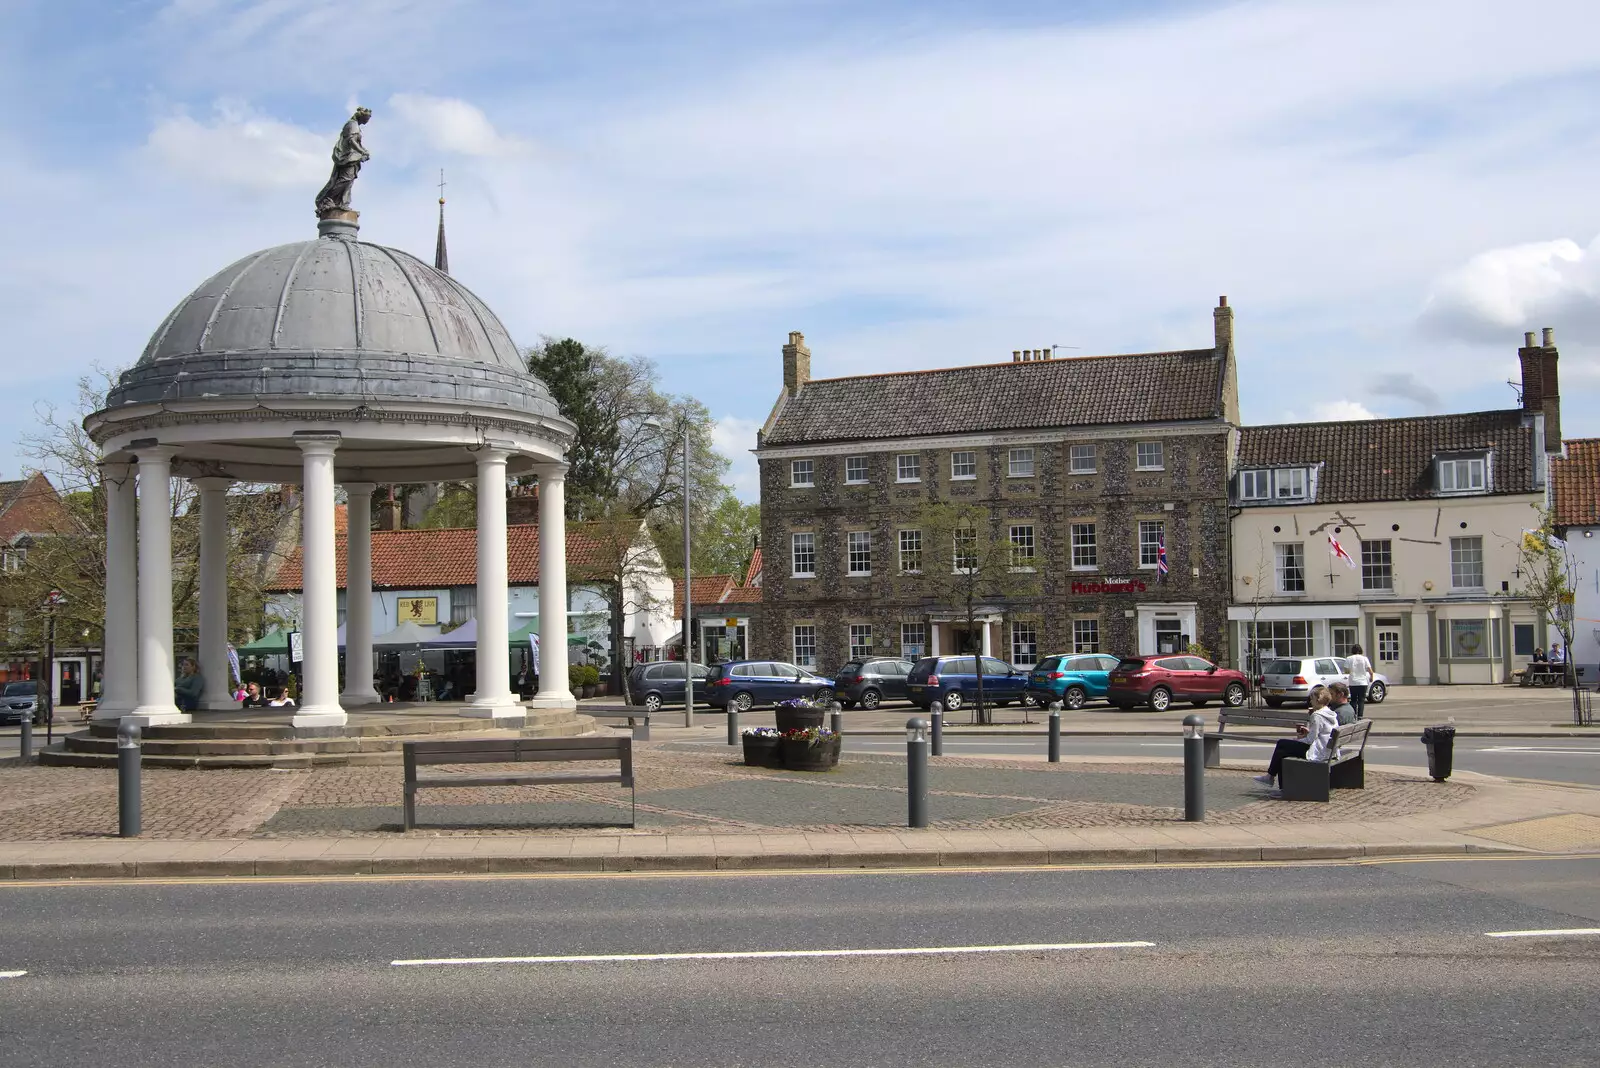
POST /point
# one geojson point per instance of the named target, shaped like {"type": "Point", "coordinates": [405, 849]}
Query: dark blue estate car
{"type": "Point", "coordinates": [743, 684]}
{"type": "Point", "coordinates": [953, 681]}
{"type": "Point", "coordinates": [1072, 680]}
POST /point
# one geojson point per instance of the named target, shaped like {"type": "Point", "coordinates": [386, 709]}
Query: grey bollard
{"type": "Point", "coordinates": [25, 743]}
{"type": "Point", "coordinates": [916, 772]}
{"type": "Point", "coordinates": [1055, 732]}
{"type": "Point", "coordinates": [937, 711]}
{"type": "Point", "coordinates": [1194, 768]}
{"type": "Point", "coordinates": [128, 819]}
{"type": "Point", "coordinates": [733, 725]}
{"type": "Point", "coordinates": [836, 718]}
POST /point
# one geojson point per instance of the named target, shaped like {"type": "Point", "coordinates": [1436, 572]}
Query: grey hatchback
{"type": "Point", "coordinates": [871, 680]}
{"type": "Point", "coordinates": [660, 683]}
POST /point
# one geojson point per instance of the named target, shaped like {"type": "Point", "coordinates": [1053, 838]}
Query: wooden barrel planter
{"type": "Point", "coordinates": [802, 755]}
{"type": "Point", "coordinates": [797, 719]}
{"type": "Point", "coordinates": [763, 750]}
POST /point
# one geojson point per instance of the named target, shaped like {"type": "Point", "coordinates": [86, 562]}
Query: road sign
{"type": "Point", "coordinates": [297, 649]}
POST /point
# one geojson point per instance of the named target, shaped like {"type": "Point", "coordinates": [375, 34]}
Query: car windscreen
{"type": "Point", "coordinates": [1282, 667]}
{"type": "Point", "coordinates": [1130, 663]}
{"type": "Point", "coordinates": [21, 689]}
{"type": "Point", "coordinates": [1047, 664]}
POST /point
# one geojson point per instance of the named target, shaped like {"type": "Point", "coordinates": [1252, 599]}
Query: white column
{"type": "Point", "coordinates": [319, 627]}
{"type": "Point", "coordinates": [494, 699]}
{"type": "Point", "coordinates": [358, 688]}
{"type": "Point", "coordinates": [119, 658]}
{"type": "Point", "coordinates": [553, 690]}
{"type": "Point", "coordinates": [987, 641]}
{"type": "Point", "coordinates": [933, 638]}
{"type": "Point", "coordinates": [156, 669]}
{"type": "Point", "coordinates": [214, 593]}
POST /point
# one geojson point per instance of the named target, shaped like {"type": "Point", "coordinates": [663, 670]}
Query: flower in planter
{"type": "Point", "coordinates": [797, 703]}
{"type": "Point", "coordinates": [809, 735]}
{"type": "Point", "coordinates": [761, 732]}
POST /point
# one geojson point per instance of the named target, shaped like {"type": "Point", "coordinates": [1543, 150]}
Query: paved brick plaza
{"type": "Point", "coordinates": [682, 789]}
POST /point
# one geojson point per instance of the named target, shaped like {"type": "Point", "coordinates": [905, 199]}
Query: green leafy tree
{"type": "Point", "coordinates": [1548, 578]}
{"type": "Point", "coordinates": [971, 567]}
{"type": "Point", "coordinates": [722, 537]}
{"type": "Point", "coordinates": [576, 376]}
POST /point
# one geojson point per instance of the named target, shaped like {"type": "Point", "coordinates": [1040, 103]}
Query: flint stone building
{"type": "Point", "coordinates": [1087, 465]}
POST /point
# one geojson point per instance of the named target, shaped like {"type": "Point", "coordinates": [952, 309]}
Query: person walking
{"type": "Point", "coordinates": [1360, 680]}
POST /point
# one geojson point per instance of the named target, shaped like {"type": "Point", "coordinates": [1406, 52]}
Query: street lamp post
{"type": "Point", "coordinates": [54, 601]}
{"type": "Point", "coordinates": [688, 594]}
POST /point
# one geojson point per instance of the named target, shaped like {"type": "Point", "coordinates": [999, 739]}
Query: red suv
{"type": "Point", "coordinates": [1157, 681]}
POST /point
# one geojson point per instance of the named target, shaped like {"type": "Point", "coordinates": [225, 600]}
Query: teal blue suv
{"type": "Point", "coordinates": [1071, 679]}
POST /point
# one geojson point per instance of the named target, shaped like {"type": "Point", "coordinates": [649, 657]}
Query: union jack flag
{"type": "Point", "coordinates": [1161, 555]}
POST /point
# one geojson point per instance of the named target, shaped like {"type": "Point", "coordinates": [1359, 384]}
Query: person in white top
{"type": "Point", "coordinates": [1312, 742]}
{"type": "Point", "coordinates": [1556, 655]}
{"type": "Point", "coordinates": [1360, 679]}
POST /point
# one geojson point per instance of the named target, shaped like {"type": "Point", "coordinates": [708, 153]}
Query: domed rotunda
{"type": "Point", "coordinates": [324, 362]}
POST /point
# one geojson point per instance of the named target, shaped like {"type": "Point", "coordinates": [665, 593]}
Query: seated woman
{"type": "Point", "coordinates": [280, 699]}
{"type": "Point", "coordinates": [1538, 655]}
{"type": "Point", "coordinates": [1312, 743]}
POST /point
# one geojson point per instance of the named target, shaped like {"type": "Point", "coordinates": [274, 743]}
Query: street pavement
{"type": "Point", "coordinates": [1308, 965]}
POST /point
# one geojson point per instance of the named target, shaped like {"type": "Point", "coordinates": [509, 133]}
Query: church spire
{"type": "Point", "coordinates": [441, 255]}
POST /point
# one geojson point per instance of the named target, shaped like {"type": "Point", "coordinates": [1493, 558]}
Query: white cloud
{"type": "Point", "coordinates": [240, 148]}
{"type": "Point", "coordinates": [1521, 287]}
{"type": "Point", "coordinates": [445, 124]}
{"type": "Point", "coordinates": [734, 437]}
{"type": "Point", "coordinates": [1333, 411]}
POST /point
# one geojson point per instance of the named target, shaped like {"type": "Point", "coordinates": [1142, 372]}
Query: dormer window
{"type": "Point", "coordinates": [1463, 474]}
{"type": "Point", "coordinates": [1255, 485]}
{"type": "Point", "coordinates": [1289, 484]}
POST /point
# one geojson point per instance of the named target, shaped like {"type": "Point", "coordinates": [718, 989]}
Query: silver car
{"type": "Point", "coordinates": [19, 700]}
{"type": "Point", "coordinates": [1291, 680]}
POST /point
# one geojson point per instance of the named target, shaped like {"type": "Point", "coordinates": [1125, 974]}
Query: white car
{"type": "Point", "coordinates": [1292, 679]}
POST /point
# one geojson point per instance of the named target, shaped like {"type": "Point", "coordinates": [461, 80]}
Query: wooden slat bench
{"type": "Point", "coordinates": [1249, 717]}
{"type": "Point", "coordinates": [1345, 768]}
{"type": "Point", "coordinates": [514, 751]}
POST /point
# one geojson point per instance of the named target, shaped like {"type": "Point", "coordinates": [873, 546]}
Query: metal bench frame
{"type": "Point", "coordinates": [512, 751]}
{"type": "Point", "coordinates": [1249, 717]}
{"type": "Point", "coordinates": [1315, 780]}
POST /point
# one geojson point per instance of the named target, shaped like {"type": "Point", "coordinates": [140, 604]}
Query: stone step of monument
{"type": "Point", "coordinates": [366, 726]}
{"type": "Point", "coordinates": [88, 749]}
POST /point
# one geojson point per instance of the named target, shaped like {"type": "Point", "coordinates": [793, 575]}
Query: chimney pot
{"type": "Point", "coordinates": [1527, 340]}
{"type": "Point", "coordinates": [1222, 301]}
{"type": "Point", "coordinates": [1016, 355]}
{"type": "Point", "coordinates": [1549, 336]}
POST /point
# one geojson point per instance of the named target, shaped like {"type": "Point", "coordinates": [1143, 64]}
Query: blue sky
{"type": "Point", "coordinates": [1390, 192]}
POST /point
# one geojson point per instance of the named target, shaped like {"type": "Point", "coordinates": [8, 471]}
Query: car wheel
{"type": "Point", "coordinates": [952, 700]}
{"type": "Point", "coordinates": [870, 699]}
{"type": "Point", "coordinates": [1075, 697]}
{"type": "Point", "coordinates": [652, 702]}
{"type": "Point", "coordinates": [1160, 698]}
{"type": "Point", "coordinates": [1274, 702]}
{"type": "Point", "coordinates": [742, 701]}
{"type": "Point", "coordinates": [1376, 693]}
{"type": "Point", "coordinates": [1234, 695]}
{"type": "Point", "coordinates": [824, 694]}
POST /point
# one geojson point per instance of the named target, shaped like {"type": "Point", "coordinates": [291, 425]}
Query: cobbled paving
{"type": "Point", "coordinates": [682, 789]}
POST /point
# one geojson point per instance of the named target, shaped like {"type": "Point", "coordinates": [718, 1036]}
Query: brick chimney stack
{"type": "Point", "coordinates": [1541, 387]}
{"type": "Point", "coordinates": [796, 363]}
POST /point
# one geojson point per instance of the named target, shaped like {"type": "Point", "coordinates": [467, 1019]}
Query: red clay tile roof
{"type": "Point", "coordinates": [1576, 478]}
{"type": "Point", "coordinates": [31, 506]}
{"type": "Point", "coordinates": [425, 559]}
{"type": "Point", "coordinates": [1391, 459]}
{"type": "Point", "coordinates": [743, 595]}
{"type": "Point", "coordinates": [1075, 390]}
{"type": "Point", "coordinates": [708, 589]}
{"type": "Point", "coordinates": [752, 574]}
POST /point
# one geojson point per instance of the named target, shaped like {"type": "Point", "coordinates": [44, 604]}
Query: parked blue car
{"type": "Point", "coordinates": [1071, 679]}
{"type": "Point", "coordinates": [743, 684]}
{"type": "Point", "coordinates": [953, 681]}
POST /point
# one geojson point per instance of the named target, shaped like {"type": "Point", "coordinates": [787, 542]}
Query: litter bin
{"type": "Point", "coordinates": [1441, 745]}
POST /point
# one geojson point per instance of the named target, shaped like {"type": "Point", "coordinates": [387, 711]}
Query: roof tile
{"type": "Point", "coordinates": [1576, 478]}
{"type": "Point", "coordinates": [1077, 390]}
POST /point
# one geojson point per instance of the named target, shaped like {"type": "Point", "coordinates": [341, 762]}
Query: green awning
{"type": "Point", "coordinates": [273, 643]}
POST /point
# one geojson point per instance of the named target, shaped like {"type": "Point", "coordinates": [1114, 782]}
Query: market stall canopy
{"type": "Point", "coordinates": [463, 637]}
{"type": "Point", "coordinates": [273, 643]}
{"type": "Point", "coordinates": [405, 635]}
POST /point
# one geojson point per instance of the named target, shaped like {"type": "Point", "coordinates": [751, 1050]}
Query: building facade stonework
{"type": "Point", "coordinates": [1084, 467]}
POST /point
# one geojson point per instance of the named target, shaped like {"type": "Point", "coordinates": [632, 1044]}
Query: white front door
{"type": "Point", "coordinates": [1387, 658]}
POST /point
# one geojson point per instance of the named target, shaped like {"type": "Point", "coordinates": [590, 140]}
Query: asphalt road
{"type": "Point", "coordinates": [1566, 760]}
{"type": "Point", "coordinates": [1372, 964]}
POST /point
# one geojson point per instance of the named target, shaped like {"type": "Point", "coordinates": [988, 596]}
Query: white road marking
{"type": "Point", "coordinates": [12, 975]}
{"type": "Point", "coordinates": [777, 954]}
{"type": "Point", "coordinates": [1541, 750]}
{"type": "Point", "coordinates": [1556, 933]}
{"type": "Point", "coordinates": [1237, 745]}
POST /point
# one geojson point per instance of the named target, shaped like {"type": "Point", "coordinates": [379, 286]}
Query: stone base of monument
{"type": "Point", "coordinates": [267, 738]}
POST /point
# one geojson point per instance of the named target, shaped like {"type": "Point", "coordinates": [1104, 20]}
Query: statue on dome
{"type": "Point", "coordinates": [348, 156]}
